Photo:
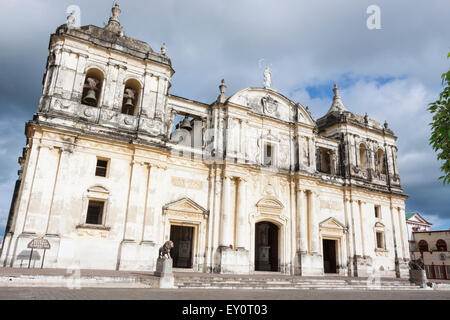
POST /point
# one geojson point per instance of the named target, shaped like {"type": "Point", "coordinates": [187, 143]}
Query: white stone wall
{"type": "Point", "coordinates": [151, 186]}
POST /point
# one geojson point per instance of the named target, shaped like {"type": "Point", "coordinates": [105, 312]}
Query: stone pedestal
{"type": "Point", "coordinates": [234, 261]}
{"type": "Point", "coordinates": [309, 264]}
{"type": "Point", "coordinates": [362, 266]}
{"type": "Point", "coordinates": [403, 268]}
{"type": "Point", "coordinates": [164, 271]}
{"type": "Point", "coordinates": [419, 277]}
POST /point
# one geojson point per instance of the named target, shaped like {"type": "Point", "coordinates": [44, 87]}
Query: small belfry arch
{"type": "Point", "coordinates": [380, 164]}
{"type": "Point", "coordinates": [92, 87]}
{"type": "Point", "coordinates": [131, 97]}
{"type": "Point", "coordinates": [363, 156]}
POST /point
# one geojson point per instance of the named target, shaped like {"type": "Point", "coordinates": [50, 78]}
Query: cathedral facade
{"type": "Point", "coordinates": [114, 166]}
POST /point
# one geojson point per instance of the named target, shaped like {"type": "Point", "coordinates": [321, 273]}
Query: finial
{"type": "Point", "coordinates": [163, 49]}
{"type": "Point", "coordinates": [116, 12]}
{"type": "Point", "coordinates": [336, 90]}
{"type": "Point", "coordinates": [222, 97]}
{"type": "Point", "coordinates": [337, 105]}
{"type": "Point", "coordinates": [222, 87]}
{"type": "Point", "coordinates": [114, 21]}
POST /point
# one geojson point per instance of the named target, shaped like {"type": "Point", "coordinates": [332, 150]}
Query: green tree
{"type": "Point", "coordinates": [440, 127]}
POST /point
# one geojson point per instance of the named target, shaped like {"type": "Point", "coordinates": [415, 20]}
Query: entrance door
{"type": "Point", "coordinates": [266, 247]}
{"type": "Point", "coordinates": [329, 256]}
{"type": "Point", "coordinates": [182, 246]}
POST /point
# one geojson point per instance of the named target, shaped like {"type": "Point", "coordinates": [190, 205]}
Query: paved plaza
{"type": "Point", "coordinates": [26, 293]}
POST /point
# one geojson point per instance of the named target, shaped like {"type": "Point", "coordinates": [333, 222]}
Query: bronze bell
{"type": "Point", "coordinates": [186, 124]}
{"type": "Point", "coordinates": [129, 103]}
{"type": "Point", "coordinates": [90, 98]}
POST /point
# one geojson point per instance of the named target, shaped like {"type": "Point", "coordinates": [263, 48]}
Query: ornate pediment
{"type": "Point", "coordinates": [379, 225]}
{"type": "Point", "coordinates": [98, 189]}
{"type": "Point", "coordinates": [268, 102]}
{"type": "Point", "coordinates": [185, 206]}
{"type": "Point", "coordinates": [331, 224]}
{"type": "Point", "coordinates": [98, 192]}
{"type": "Point", "coordinates": [270, 204]}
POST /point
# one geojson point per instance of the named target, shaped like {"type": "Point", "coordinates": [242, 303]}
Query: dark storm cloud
{"type": "Point", "coordinates": [391, 73]}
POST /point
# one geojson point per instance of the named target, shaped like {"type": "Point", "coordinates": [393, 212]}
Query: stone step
{"type": "Point", "coordinates": [280, 286]}
{"type": "Point", "coordinates": [315, 282]}
{"type": "Point", "coordinates": [279, 282]}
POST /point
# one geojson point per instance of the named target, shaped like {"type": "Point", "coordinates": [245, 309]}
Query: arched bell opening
{"type": "Point", "coordinates": [266, 246]}
{"type": "Point", "coordinates": [131, 97]}
{"type": "Point", "coordinates": [92, 88]}
{"type": "Point", "coordinates": [362, 156]}
{"type": "Point", "coordinates": [380, 161]}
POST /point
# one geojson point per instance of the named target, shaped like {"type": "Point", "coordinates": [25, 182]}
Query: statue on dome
{"type": "Point", "coordinates": [267, 78]}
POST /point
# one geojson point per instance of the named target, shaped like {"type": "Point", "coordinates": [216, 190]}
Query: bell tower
{"type": "Point", "coordinates": [101, 79]}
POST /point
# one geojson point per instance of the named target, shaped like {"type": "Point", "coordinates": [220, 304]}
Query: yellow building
{"type": "Point", "coordinates": [432, 248]}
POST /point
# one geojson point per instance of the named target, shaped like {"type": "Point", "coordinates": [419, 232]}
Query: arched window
{"type": "Point", "coordinates": [323, 162]}
{"type": "Point", "coordinates": [441, 245]}
{"type": "Point", "coordinates": [92, 87]}
{"type": "Point", "coordinates": [423, 245]}
{"type": "Point", "coordinates": [131, 97]}
{"type": "Point", "coordinates": [362, 156]}
{"type": "Point", "coordinates": [380, 161]}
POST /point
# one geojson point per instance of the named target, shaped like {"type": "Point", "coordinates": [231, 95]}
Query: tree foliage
{"type": "Point", "coordinates": [440, 127]}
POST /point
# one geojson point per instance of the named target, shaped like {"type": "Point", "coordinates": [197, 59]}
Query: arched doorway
{"type": "Point", "coordinates": [266, 246]}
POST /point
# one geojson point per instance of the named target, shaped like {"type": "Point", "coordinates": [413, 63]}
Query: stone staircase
{"type": "Point", "coordinates": [280, 281]}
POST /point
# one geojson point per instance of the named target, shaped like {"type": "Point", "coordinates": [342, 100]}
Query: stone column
{"type": "Point", "coordinates": [136, 205]}
{"type": "Point", "coordinates": [395, 241]}
{"type": "Point", "coordinates": [362, 220]}
{"type": "Point", "coordinates": [225, 227]}
{"type": "Point", "coordinates": [293, 238]}
{"type": "Point", "coordinates": [394, 160]}
{"type": "Point", "coordinates": [79, 77]}
{"type": "Point", "coordinates": [148, 229]}
{"type": "Point", "coordinates": [57, 204]}
{"type": "Point", "coordinates": [39, 206]}
{"type": "Point", "coordinates": [356, 228]}
{"type": "Point", "coordinates": [242, 232]}
{"type": "Point", "coordinates": [313, 226]}
{"type": "Point", "coordinates": [242, 141]}
{"type": "Point", "coordinates": [403, 233]}
{"type": "Point", "coordinates": [145, 96]}
{"type": "Point", "coordinates": [110, 85]}
{"type": "Point", "coordinates": [120, 87]}
{"type": "Point", "coordinates": [210, 244]}
{"type": "Point", "coordinates": [302, 221]}
{"type": "Point", "coordinates": [349, 235]}
{"type": "Point", "coordinates": [217, 206]}
{"type": "Point", "coordinates": [312, 153]}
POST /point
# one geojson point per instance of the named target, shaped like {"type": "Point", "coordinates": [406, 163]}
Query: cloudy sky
{"type": "Point", "coordinates": [392, 73]}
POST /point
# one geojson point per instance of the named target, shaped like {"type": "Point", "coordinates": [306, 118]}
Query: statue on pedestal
{"type": "Point", "coordinates": [164, 266]}
{"type": "Point", "coordinates": [267, 78]}
{"type": "Point", "coordinates": [164, 251]}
